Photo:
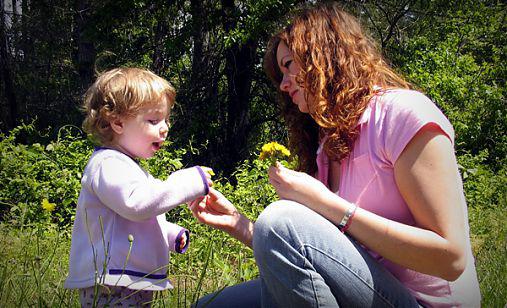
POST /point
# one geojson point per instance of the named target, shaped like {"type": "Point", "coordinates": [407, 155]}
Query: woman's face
{"type": "Point", "coordinates": [290, 69]}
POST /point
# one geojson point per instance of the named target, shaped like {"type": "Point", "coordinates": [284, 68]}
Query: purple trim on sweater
{"type": "Point", "coordinates": [137, 274]}
{"type": "Point", "coordinates": [204, 180]}
{"type": "Point", "coordinates": [101, 148]}
{"type": "Point", "coordinates": [178, 240]}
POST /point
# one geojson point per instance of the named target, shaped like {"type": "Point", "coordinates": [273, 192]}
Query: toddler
{"type": "Point", "coordinates": [121, 239]}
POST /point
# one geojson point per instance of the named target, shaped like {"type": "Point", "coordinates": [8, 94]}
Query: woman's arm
{"type": "Point", "coordinates": [215, 210]}
{"type": "Point", "coordinates": [427, 177]}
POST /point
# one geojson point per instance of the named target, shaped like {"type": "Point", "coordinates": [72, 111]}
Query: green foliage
{"type": "Point", "coordinates": [489, 243]}
{"type": "Point", "coordinates": [165, 161]}
{"type": "Point", "coordinates": [31, 173]}
{"type": "Point", "coordinates": [484, 188]}
{"type": "Point", "coordinates": [456, 60]}
{"type": "Point", "coordinates": [252, 192]}
{"type": "Point", "coordinates": [452, 81]}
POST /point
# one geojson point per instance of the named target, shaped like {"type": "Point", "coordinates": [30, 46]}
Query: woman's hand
{"type": "Point", "coordinates": [214, 210]}
{"type": "Point", "coordinates": [298, 186]}
{"type": "Point", "coordinates": [218, 212]}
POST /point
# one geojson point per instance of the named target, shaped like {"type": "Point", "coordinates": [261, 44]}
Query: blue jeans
{"type": "Point", "coordinates": [305, 261]}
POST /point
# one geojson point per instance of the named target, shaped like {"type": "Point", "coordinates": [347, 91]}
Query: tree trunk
{"type": "Point", "coordinates": [240, 59]}
{"type": "Point", "coordinates": [158, 65]}
{"type": "Point", "coordinates": [86, 53]}
{"type": "Point", "coordinates": [196, 10]}
{"type": "Point", "coordinates": [11, 116]}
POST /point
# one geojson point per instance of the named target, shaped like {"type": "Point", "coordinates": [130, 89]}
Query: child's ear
{"type": "Point", "coordinates": [117, 125]}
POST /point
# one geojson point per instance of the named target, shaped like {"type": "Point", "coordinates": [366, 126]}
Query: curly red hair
{"type": "Point", "coordinates": [341, 69]}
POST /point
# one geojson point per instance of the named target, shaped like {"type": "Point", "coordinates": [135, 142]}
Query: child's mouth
{"type": "Point", "coordinates": [157, 145]}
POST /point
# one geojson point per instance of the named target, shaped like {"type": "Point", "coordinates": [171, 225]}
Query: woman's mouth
{"type": "Point", "coordinates": [291, 94]}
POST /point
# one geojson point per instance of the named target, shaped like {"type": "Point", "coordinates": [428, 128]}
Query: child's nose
{"type": "Point", "coordinates": [164, 129]}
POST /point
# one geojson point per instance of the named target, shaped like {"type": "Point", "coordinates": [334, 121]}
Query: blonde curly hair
{"type": "Point", "coordinates": [341, 69]}
{"type": "Point", "coordinates": [122, 92]}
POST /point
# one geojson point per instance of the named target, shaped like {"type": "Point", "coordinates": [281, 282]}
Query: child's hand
{"type": "Point", "coordinates": [208, 172]}
{"type": "Point", "coordinates": [183, 241]}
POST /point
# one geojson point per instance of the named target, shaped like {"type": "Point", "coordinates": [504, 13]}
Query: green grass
{"type": "Point", "coordinates": [489, 243]}
{"type": "Point", "coordinates": [33, 266]}
{"type": "Point", "coordinates": [34, 263]}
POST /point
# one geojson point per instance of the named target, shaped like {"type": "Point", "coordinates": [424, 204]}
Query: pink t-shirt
{"type": "Point", "coordinates": [367, 178]}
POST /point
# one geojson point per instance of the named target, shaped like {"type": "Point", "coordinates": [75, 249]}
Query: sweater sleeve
{"type": "Point", "coordinates": [174, 233]}
{"type": "Point", "coordinates": [128, 191]}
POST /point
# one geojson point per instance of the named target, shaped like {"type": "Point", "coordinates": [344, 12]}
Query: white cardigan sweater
{"type": "Point", "coordinates": [117, 199]}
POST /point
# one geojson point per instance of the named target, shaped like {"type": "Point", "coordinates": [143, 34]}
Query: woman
{"type": "Point", "coordinates": [383, 220]}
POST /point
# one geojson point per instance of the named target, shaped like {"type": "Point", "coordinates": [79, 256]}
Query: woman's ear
{"type": "Point", "coordinates": [117, 125]}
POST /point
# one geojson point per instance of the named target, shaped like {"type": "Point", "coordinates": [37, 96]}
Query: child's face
{"type": "Point", "coordinates": [142, 135]}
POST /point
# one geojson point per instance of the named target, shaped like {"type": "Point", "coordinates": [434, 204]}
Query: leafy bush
{"type": "Point", "coordinates": [30, 174]}
{"type": "Point", "coordinates": [483, 187]}
{"type": "Point", "coordinates": [469, 92]}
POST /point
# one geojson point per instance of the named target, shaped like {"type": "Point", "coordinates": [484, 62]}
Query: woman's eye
{"type": "Point", "coordinates": [287, 64]}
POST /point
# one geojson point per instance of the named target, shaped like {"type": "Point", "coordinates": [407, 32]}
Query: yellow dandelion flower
{"type": "Point", "coordinates": [48, 206]}
{"type": "Point", "coordinates": [273, 151]}
{"type": "Point", "coordinates": [209, 171]}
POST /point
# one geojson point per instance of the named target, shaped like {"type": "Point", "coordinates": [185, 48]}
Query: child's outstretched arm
{"type": "Point", "coordinates": [130, 193]}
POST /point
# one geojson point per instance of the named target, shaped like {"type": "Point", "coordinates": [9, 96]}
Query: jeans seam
{"type": "Point", "coordinates": [387, 301]}
{"type": "Point", "coordinates": [305, 260]}
{"type": "Point", "coordinates": [302, 251]}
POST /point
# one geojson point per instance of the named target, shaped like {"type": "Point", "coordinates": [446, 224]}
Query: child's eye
{"type": "Point", "coordinates": [154, 122]}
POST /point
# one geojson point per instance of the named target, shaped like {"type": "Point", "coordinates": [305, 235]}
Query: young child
{"type": "Point", "coordinates": [121, 239]}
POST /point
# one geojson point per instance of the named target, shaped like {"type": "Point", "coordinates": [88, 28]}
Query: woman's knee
{"type": "Point", "coordinates": [275, 223]}
{"type": "Point", "coordinates": [277, 213]}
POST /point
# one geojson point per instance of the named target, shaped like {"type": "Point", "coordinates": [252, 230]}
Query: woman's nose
{"type": "Point", "coordinates": [285, 84]}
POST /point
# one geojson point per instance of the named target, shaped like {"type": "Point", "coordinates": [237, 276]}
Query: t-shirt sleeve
{"type": "Point", "coordinates": [405, 113]}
